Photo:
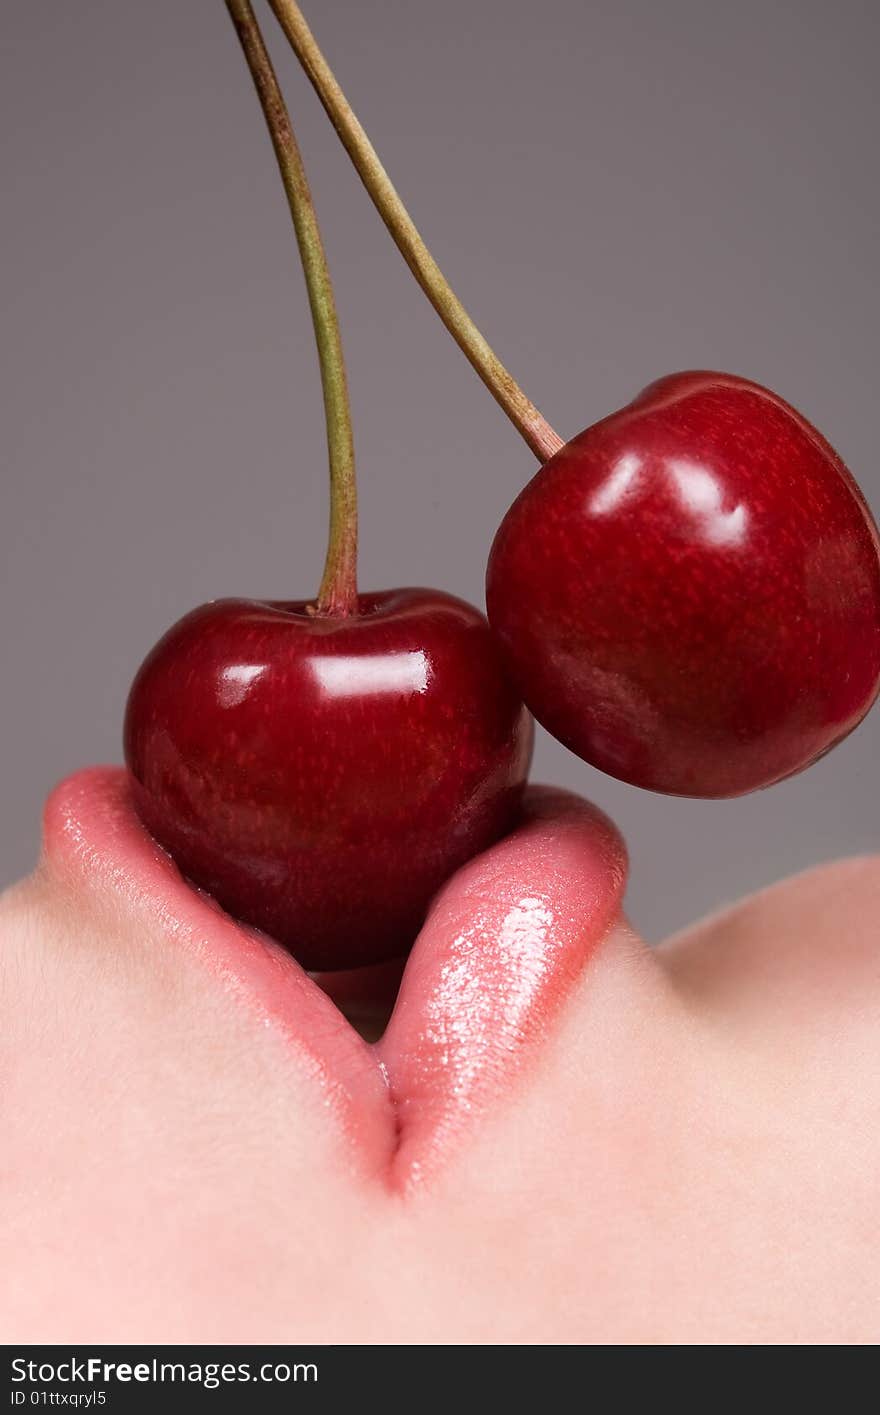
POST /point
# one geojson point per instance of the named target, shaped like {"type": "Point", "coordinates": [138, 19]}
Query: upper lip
{"type": "Point", "coordinates": [503, 942]}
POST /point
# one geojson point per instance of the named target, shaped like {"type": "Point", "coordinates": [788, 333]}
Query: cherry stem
{"type": "Point", "coordinates": [526, 418]}
{"type": "Point", "coordinates": [338, 591]}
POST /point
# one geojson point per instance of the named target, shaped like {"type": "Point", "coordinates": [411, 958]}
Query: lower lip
{"type": "Point", "coordinates": [504, 945]}
{"type": "Point", "coordinates": [505, 941]}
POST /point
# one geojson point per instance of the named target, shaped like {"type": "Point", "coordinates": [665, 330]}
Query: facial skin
{"type": "Point", "coordinates": [570, 1137]}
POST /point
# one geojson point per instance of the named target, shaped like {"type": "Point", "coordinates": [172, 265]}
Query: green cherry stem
{"type": "Point", "coordinates": [526, 418]}
{"type": "Point", "coordinates": [338, 591]}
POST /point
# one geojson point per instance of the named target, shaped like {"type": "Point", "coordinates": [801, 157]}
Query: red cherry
{"type": "Point", "coordinates": [688, 593]}
{"type": "Point", "coordinates": [322, 776]}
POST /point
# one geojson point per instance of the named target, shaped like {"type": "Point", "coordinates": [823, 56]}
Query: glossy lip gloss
{"type": "Point", "coordinates": [503, 945]}
{"type": "Point", "coordinates": [504, 942]}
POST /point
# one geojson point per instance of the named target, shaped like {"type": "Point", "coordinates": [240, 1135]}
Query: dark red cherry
{"type": "Point", "coordinates": [322, 776]}
{"type": "Point", "coordinates": [688, 593]}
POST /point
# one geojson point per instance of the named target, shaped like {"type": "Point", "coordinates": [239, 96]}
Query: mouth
{"type": "Point", "coordinates": [505, 942]}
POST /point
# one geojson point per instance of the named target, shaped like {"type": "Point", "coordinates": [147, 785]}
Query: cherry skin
{"type": "Point", "coordinates": [322, 776]}
{"type": "Point", "coordinates": [688, 593]}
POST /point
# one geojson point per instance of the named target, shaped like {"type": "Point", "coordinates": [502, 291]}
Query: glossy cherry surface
{"type": "Point", "coordinates": [688, 593]}
{"type": "Point", "coordinates": [322, 777]}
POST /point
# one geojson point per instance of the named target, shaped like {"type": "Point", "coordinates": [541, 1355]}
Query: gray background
{"type": "Point", "coordinates": [617, 190]}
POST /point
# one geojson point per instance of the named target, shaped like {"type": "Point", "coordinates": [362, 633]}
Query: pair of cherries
{"type": "Point", "coordinates": [687, 595]}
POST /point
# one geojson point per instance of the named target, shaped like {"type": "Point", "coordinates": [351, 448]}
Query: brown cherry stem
{"type": "Point", "coordinates": [338, 591]}
{"type": "Point", "coordinates": [526, 418]}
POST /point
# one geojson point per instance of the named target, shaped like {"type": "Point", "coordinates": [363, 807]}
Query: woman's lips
{"type": "Point", "coordinates": [504, 942]}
